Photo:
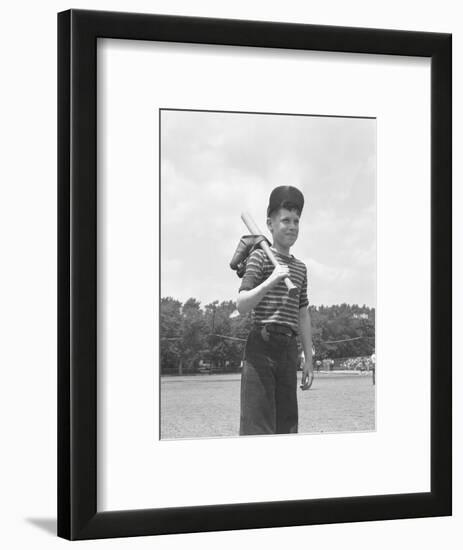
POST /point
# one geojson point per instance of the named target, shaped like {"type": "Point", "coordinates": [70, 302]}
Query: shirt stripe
{"type": "Point", "coordinates": [276, 306]}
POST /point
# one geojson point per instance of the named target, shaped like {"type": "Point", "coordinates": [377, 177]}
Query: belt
{"type": "Point", "coordinates": [275, 329]}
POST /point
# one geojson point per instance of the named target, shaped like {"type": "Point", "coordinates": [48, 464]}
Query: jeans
{"type": "Point", "coordinates": [269, 385]}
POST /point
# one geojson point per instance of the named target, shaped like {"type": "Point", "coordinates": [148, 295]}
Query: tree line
{"type": "Point", "coordinates": [193, 337]}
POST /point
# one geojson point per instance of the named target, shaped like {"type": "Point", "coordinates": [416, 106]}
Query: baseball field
{"type": "Point", "coordinates": [208, 405]}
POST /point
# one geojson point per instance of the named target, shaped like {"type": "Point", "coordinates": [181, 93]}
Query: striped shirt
{"type": "Point", "coordinates": [276, 306]}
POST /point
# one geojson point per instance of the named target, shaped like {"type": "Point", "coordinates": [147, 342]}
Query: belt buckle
{"type": "Point", "coordinates": [282, 331]}
{"type": "Point", "coordinates": [265, 334]}
{"type": "Point", "coordinates": [281, 337]}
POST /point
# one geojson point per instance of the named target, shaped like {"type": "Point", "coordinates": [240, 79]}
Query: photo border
{"type": "Point", "coordinates": [78, 31]}
{"type": "Point", "coordinates": [233, 112]}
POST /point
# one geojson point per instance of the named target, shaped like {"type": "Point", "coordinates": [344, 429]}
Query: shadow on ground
{"type": "Point", "coordinates": [46, 524]}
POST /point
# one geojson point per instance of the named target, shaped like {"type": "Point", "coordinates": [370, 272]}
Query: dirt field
{"type": "Point", "coordinates": [208, 405]}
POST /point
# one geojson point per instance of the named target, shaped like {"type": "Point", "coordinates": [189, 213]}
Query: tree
{"type": "Point", "coordinates": [193, 334]}
{"type": "Point", "coordinates": [222, 349]}
{"type": "Point", "coordinates": [170, 328]}
{"type": "Point", "coordinates": [346, 326]}
{"type": "Point", "coordinates": [189, 333]}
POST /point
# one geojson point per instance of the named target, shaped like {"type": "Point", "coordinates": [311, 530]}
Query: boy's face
{"type": "Point", "coordinates": [284, 227]}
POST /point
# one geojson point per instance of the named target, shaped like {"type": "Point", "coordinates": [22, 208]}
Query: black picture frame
{"type": "Point", "coordinates": [78, 517]}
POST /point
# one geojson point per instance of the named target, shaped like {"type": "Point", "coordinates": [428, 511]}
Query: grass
{"type": "Point", "coordinates": [208, 405]}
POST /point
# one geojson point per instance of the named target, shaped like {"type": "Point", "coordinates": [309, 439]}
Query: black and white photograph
{"type": "Point", "coordinates": [267, 274]}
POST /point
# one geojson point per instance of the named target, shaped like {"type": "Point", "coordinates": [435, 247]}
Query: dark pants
{"type": "Point", "coordinates": [269, 385]}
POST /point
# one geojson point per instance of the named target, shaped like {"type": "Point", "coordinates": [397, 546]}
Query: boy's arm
{"type": "Point", "coordinates": [305, 333]}
{"type": "Point", "coordinates": [248, 299]}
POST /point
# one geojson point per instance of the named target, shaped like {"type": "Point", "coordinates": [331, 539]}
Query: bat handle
{"type": "Point", "coordinates": [292, 288]}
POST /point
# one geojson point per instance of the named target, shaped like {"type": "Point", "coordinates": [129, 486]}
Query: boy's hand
{"type": "Point", "coordinates": [279, 273]}
{"type": "Point", "coordinates": [307, 374]}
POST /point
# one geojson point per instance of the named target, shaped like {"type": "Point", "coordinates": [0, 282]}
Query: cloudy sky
{"type": "Point", "coordinates": [215, 165]}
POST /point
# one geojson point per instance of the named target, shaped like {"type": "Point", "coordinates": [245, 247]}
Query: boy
{"type": "Point", "coordinates": [269, 377]}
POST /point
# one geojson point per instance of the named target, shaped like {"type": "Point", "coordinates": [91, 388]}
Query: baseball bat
{"type": "Point", "coordinates": [254, 230]}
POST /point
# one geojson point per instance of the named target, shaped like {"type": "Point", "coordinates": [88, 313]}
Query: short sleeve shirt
{"type": "Point", "coordinates": [276, 306]}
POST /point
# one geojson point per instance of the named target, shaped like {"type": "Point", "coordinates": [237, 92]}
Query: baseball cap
{"type": "Point", "coordinates": [285, 193]}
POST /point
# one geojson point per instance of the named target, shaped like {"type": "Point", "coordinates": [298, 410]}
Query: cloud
{"type": "Point", "coordinates": [328, 284]}
{"type": "Point", "coordinates": [216, 165]}
{"type": "Point", "coordinates": [329, 274]}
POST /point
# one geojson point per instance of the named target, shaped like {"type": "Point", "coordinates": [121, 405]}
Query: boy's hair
{"type": "Point", "coordinates": [287, 205]}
